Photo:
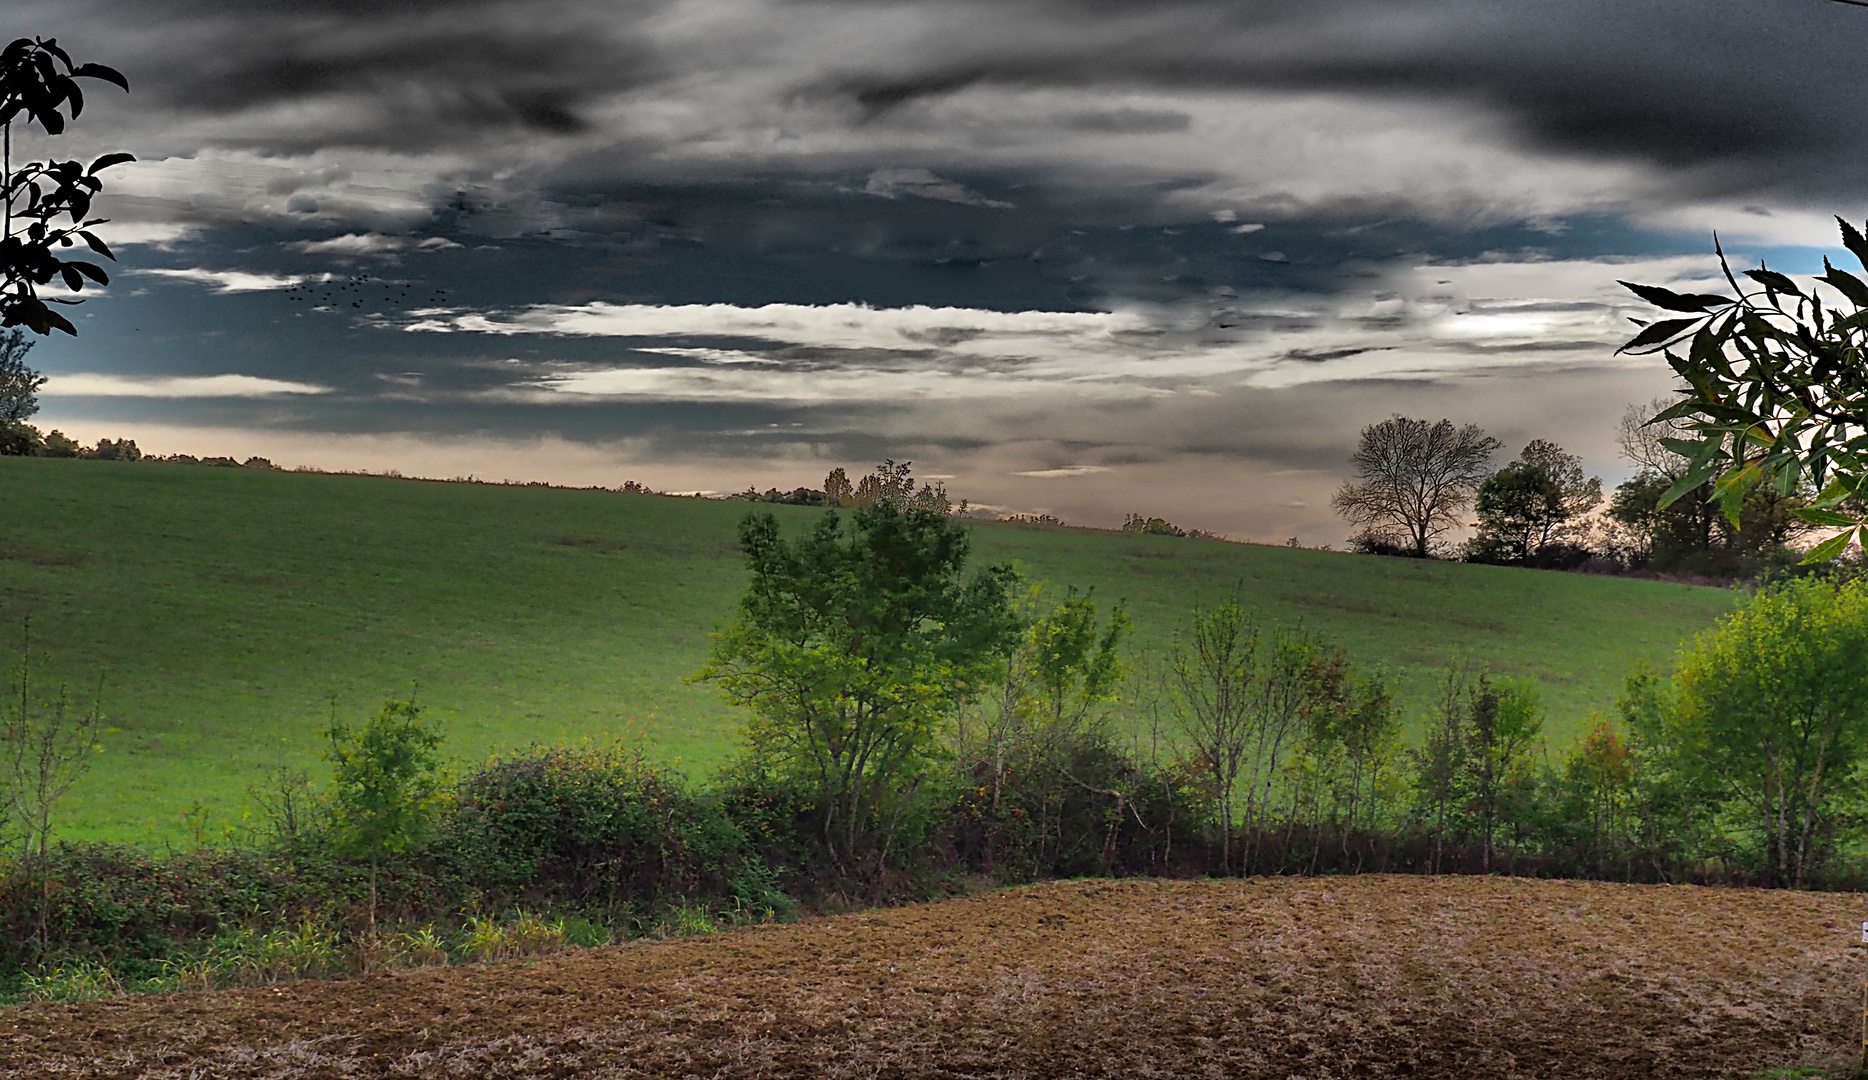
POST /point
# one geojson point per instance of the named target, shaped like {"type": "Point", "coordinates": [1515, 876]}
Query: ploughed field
{"type": "Point", "coordinates": [1368, 976]}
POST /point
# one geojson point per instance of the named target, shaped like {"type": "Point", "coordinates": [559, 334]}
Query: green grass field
{"type": "Point", "coordinates": [229, 607]}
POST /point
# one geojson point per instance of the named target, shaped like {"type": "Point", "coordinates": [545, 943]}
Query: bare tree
{"type": "Point", "coordinates": [1211, 673]}
{"type": "Point", "coordinates": [1640, 440]}
{"type": "Point", "coordinates": [45, 747]}
{"type": "Point", "coordinates": [1414, 479]}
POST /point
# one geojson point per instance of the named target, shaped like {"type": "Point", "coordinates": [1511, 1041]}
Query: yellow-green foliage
{"type": "Point", "coordinates": [420, 948]}
{"type": "Point", "coordinates": [76, 980]}
{"type": "Point", "coordinates": [1771, 710]}
{"type": "Point", "coordinates": [487, 938]}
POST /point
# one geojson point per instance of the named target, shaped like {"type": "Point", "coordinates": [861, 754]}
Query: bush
{"type": "Point", "coordinates": [1139, 525]}
{"type": "Point", "coordinates": [1077, 806]}
{"type": "Point", "coordinates": [595, 829]}
{"type": "Point", "coordinates": [1771, 712]}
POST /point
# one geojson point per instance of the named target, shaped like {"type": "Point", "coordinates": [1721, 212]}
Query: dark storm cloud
{"type": "Point", "coordinates": [1718, 82]}
{"type": "Point", "coordinates": [1739, 92]}
{"type": "Point", "coordinates": [405, 76]}
{"type": "Point", "coordinates": [695, 233]}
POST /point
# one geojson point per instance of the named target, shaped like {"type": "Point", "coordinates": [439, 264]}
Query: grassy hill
{"type": "Point", "coordinates": [230, 608]}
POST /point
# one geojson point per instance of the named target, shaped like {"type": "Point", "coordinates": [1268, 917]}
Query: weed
{"type": "Point", "coordinates": [686, 920]}
{"type": "Point", "coordinates": [75, 980]}
{"type": "Point", "coordinates": [487, 938]}
{"type": "Point", "coordinates": [420, 948]}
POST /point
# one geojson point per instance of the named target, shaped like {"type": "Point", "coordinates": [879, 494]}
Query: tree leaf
{"type": "Point", "coordinates": [1692, 481]}
{"type": "Point", "coordinates": [94, 243]}
{"type": "Point", "coordinates": [1673, 301]}
{"type": "Point", "coordinates": [1657, 333]}
{"type": "Point", "coordinates": [107, 161]}
{"type": "Point", "coordinates": [1773, 280]}
{"type": "Point", "coordinates": [1855, 242]}
{"type": "Point", "coordinates": [1836, 493]}
{"type": "Point", "coordinates": [1673, 412]}
{"type": "Point", "coordinates": [1829, 548]}
{"type": "Point", "coordinates": [1692, 451]}
{"type": "Point", "coordinates": [112, 75]}
{"type": "Point", "coordinates": [1846, 283]}
{"type": "Point", "coordinates": [1831, 518]}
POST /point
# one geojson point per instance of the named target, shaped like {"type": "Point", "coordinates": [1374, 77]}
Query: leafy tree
{"type": "Point", "coordinates": [19, 384]}
{"type": "Point", "coordinates": [1690, 533]}
{"type": "Point", "coordinates": [1351, 745]}
{"type": "Point", "coordinates": [60, 445]}
{"type": "Point", "coordinates": [1504, 727]}
{"type": "Point", "coordinates": [19, 395]}
{"type": "Point", "coordinates": [1532, 511]}
{"type": "Point", "coordinates": [1776, 390]}
{"type": "Point", "coordinates": [1413, 481]}
{"type": "Point", "coordinates": [1239, 693]}
{"type": "Point", "coordinates": [1151, 526]}
{"type": "Point", "coordinates": [1771, 711]}
{"type": "Point", "coordinates": [388, 784]}
{"type": "Point", "coordinates": [837, 489]}
{"type": "Point", "coordinates": [1058, 680]}
{"type": "Point", "coordinates": [1473, 773]}
{"type": "Point", "coordinates": [39, 83]}
{"type": "Point", "coordinates": [1595, 794]}
{"type": "Point", "coordinates": [853, 648]}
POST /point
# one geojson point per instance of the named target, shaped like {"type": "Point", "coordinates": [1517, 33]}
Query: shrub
{"type": "Point", "coordinates": [1771, 709]}
{"type": "Point", "coordinates": [1150, 526]}
{"type": "Point", "coordinates": [598, 829]}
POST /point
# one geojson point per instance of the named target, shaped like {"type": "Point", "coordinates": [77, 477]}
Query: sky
{"type": "Point", "coordinates": [1078, 257]}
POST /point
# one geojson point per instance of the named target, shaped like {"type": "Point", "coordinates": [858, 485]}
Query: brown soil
{"type": "Point", "coordinates": [1371, 976]}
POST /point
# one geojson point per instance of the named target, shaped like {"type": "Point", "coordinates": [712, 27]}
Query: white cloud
{"type": "Point", "coordinates": [226, 281]}
{"type": "Point", "coordinates": [1064, 470]}
{"type": "Point", "coordinates": [369, 244]}
{"type": "Point", "coordinates": [100, 384]}
{"type": "Point", "coordinates": [849, 326]}
{"type": "Point", "coordinates": [1424, 324]}
{"type": "Point", "coordinates": [160, 234]}
{"type": "Point", "coordinates": [891, 183]}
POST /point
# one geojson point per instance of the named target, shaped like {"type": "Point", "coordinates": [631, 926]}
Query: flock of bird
{"type": "Point", "coordinates": [334, 293]}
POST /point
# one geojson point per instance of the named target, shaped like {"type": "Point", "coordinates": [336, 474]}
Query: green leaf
{"type": "Point", "coordinates": [1675, 411]}
{"type": "Point", "coordinates": [1692, 481]}
{"type": "Point", "coordinates": [1829, 548]}
{"type": "Point", "coordinates": [1731, 496]}
{"type": "Point", "coordinates": [1673, 301]}
{"type": "Point", "coordinates": [1828, 518]}
{"type": "Point", "coordinates": [1836, 493]}
{"type": "Point", "coordinates": [1662, 331]}
{"type": "Point", "coordinates": [1692, 451]}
